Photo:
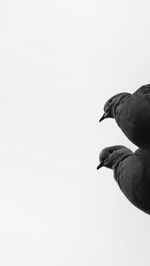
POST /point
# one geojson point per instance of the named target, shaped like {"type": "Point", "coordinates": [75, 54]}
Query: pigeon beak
{"type": "Point", "coordinates": [100, 165]}
{"type": "Point", "coordinates": [105, 115]}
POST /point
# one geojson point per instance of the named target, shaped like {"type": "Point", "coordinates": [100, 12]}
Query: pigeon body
{"type": "Point", "coordinates": [131, 172]}
{"type": "Point", "coordinates": [132, 114]}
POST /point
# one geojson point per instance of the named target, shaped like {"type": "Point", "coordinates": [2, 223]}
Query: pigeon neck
{"type": "Point", "coordinates": [121, 157]}
{"type": "Point", "coordinates": [116, 167]}
{"type": "Point", "coordinates": [118, 102]}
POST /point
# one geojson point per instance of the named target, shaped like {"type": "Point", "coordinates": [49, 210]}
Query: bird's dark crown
{"type": "Point", "coordinates": [113, 154]}
{"type": "Point", "coordinates": [111, 105]}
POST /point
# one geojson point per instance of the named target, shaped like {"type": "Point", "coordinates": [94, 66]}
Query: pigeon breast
{"type": "Point", "coordinates": [133, 178]}
{"type": "Point", "coordinates": [133, 117]}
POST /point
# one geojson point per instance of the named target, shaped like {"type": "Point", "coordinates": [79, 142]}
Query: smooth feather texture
{"type": "Point", "coordinates": [131, 172]}
{"type": "Point", "coordinates": [132, 114]}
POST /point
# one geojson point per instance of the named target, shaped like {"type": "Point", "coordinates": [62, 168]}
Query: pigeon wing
{"type": "Point", "coordinates": [143, 91]}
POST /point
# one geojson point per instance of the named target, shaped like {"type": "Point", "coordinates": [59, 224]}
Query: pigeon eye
{"type": "Point", "coordinates": [110, 151]}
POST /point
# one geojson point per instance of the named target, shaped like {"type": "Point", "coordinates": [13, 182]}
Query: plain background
{"type": "Point", "coordinates": [59, 62]}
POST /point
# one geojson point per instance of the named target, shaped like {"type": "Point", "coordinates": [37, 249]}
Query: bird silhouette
{"type": "Point", "coordinates": [132, 114]}
{"type": "Point", "coordinates": [131, 172]}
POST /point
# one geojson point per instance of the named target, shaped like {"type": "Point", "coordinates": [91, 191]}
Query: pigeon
{"type": "Point", "coordinates": [131, 172]}
{"type": "Point", "coordinates": [132, 114]}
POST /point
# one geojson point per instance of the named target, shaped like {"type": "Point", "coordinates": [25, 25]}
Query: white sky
{"type": "Point", "coordinates": [59, 62]}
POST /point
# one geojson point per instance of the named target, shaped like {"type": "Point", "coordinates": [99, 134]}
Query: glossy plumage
{"type": "Point", "coordinates": [131, 172]}
{"type": "Point", "coordinates": [132, 114]}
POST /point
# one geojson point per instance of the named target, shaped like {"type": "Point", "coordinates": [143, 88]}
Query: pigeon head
{"type": "Point", "coordinates": [111, 155]}
{"type": "Point", "coordinates": [112, 104]}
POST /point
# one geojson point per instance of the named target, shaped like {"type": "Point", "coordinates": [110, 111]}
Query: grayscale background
{"type": "Point", "coordinates": [59, 62]}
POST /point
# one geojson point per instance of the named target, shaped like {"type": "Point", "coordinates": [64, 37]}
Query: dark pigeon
{"type": "Point", "coordinates": [132, 114]}
{"type": "Point", "coordinates": [131, 172]}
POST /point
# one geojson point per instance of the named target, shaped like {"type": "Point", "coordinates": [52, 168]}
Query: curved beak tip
{"type": "Point", "coordinates": [99, 166]}
{"type": "Point", "coordinates": [102, 118]}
